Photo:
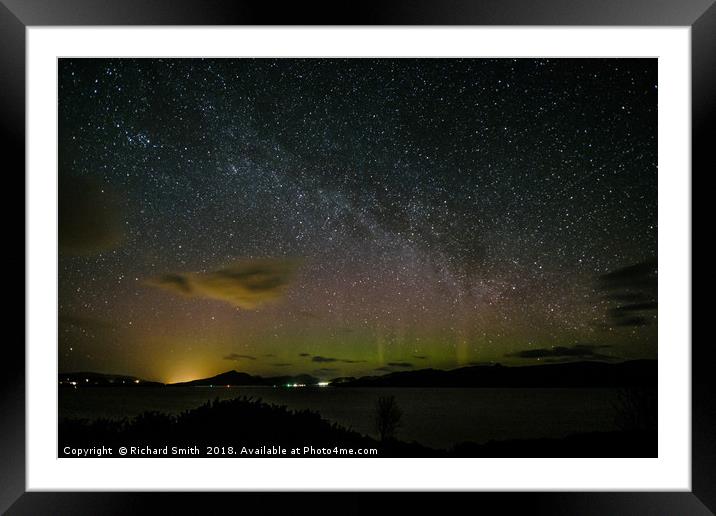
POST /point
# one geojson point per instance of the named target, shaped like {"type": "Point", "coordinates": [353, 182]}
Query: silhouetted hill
{"type": "Point", "coordinates": [238, 378]}
{"type": "Point", "coordinates": [634, 373]}
{"type": "Point", "coordinates": [342, 379]}
{"type": "Point", "coordinates": [89, 379]}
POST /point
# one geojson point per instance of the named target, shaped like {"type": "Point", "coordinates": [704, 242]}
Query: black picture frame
{"type": "Point", "coordinates": [17, 15]}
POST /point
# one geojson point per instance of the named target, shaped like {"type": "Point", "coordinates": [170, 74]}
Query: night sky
{"type": "Point", "coordinates": [354, 216]}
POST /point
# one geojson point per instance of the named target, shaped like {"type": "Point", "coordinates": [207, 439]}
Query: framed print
{"type": "Point", "coordinates": [404, 249]}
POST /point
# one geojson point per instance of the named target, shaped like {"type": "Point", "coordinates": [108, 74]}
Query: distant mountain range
{"type": "Point", "coordinates": [568, 374]}
{"type": "Point", "coordinates": [237, 378]}
{"type": "Point", "coordinates": [641, 373]}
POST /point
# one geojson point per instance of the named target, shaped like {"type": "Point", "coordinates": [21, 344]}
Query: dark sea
{"type": "Point", "coordinates": [436, 417]}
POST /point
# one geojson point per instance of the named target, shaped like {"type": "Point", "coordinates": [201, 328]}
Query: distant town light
{"type": "Point", "coordinates": [323, 384]}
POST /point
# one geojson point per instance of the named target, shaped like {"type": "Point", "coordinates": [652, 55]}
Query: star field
{"type": "Point", "coordinates": [351, 216]}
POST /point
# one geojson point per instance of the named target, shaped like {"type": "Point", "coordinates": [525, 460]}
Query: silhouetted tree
{"type": "Point", "coordinates": [387, 417]}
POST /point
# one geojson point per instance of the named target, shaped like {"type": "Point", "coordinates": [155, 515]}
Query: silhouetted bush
{"type": "Point", "coordinates": [636, 409]}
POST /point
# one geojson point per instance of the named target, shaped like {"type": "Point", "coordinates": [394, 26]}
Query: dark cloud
{"type": "Point", "coordinates": [237, 357]}
{"type": "Point", "coordinates": [304, 354]}
{"type": "Point", "coordinates": [319, 358]}
{"type": "Point", "coordinates": [634, 290]}
{"type": "Point", "coordinates": [89, 220]}
{"type": "Point", "coordinates": [421, 357]}
{"type": "Point", "coordinates": [282, 364]}
{"type": "Point", "coordinates": [244, 284]}
{"type": "Point", "coordinates": [178, 282]}
{"type": "Point", "coordinates": [576, 351]}
{"type": "Point", "coordinates": [400, 364]}
{"type": "Point", "coordinates": [632, 321]}
{"type": "Point", "coordinates": [622, 310]}
{"type": "Point", "coordinates": [641, 276]}
{"type": "Point", "coordinates": [627, 297]}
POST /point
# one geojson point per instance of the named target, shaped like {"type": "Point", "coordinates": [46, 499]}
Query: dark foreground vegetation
{"type": "Point", "coordinates": [252, 428]}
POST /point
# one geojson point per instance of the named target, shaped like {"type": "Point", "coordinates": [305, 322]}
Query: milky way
{"type": "Point", "coordinates": [344, 217]}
